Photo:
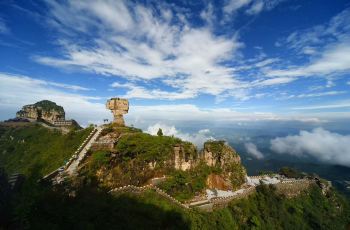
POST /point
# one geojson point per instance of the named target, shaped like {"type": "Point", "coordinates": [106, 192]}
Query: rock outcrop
{"type": "Point", "coordinates": [46, 111]}
{"type": "Point", "coordinates": [214, 154]}
{"type": "Point", "coordinates": [215, 181]}
{"type": "Point", "coordinates": [218, 153]}
{"type": "Point", "coordinates": [119, 107]}
{"type": "Point", "coordinates": [183, 159]}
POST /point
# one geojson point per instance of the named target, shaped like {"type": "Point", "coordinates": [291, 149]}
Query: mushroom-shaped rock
{"type": "Point", "coordinates": [119, 107]}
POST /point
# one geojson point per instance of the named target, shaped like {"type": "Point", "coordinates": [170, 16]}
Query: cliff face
{"type": "Point", "coordinates": [219, 154]}
{"type": "Point", "coordinates": [214, 154]}
{"type": "Point", "coordinates": [182, 159]}
{"type": "Point", "coordinates": [46, 110]}
{"type": "Point", "coordinates": [222, 156]}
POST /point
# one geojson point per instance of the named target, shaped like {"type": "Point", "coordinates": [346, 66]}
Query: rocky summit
{"type": "Point", "coordinates": [46, 111]}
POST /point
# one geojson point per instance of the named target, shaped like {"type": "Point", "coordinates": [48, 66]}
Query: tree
{"type": "Point", "coordinates": [160, 132]}
{"type": "Point", "coordinates": [290, 172]}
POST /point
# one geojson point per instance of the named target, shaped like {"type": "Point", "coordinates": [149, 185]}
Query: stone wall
{"type": "Point", "coordinates": [63, 122]}
{"type": "Point", "coordinates": [138, 190]}
{"type": "Point", "coordinates": [222, 202]}
{"type": "Point", "coordinates": [293, 188]}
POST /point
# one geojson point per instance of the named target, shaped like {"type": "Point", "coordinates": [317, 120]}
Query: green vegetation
{"type": "Point", "coordinates": [183, 185]}
{"type": "Point", "coordinates": [128, 164]}
{"type": "Point", "coordinates": [94, 208]}
{"type": "Point", "coordinates": [97, 209]}
{"type": "Point", "coordinates": [129, 161]}
{"type": "Point", "coordinates": [5, 196]}
{"type": "Point", "coordinates": [160, 132]}
{"type": "Point", "coordinates": [266, 172]}
{"type": "Point", "coordinates": [112, 128]}
{"type": "Point", "coordinates": [216, 147]}
{"type": "Point", "coordinates": [30, 148]}
{"type": "Point", "coordinates": [290, 172]}
{"type": "Point", "coordinates": [238, 175]}
{"type": "Point", "coordinates": [268, 210]}
{"type": "Point", "coordinates": [148, 148]}
{"type": "Point", "coordinates": [47, 105]}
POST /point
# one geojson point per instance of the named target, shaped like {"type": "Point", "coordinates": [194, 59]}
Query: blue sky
{"type": "Point", "coordinates": [229, 61]}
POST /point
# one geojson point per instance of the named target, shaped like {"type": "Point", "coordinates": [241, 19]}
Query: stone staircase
{"type": "Point", "coordinates": [70, 168]}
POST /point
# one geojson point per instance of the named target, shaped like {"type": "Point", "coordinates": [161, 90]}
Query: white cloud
{"type": "Point", "coordinates": [336, 59]}
{"type": "Point", "coordinates": [179, 113]}
{"type": "Point", "coordinates": [234, 5]}
{"type": "Point", "coordinates": [274, 81]}
{"type": "Point", "coordinates": [256, 8]}
{"type": "Point", "coordinates": [65, 86]}
{"type": "Point", "coordinates": [197, 138]}
{"type": "Point", "coordinates": [322, 94]}
{"type": "Point", "coordinates": [3, 27]}
{"type": "Point", "coordinates": [333, 105]}
{"type": "Point", "coordinates": [208, 14]}
{"type": "Point", "coordinates": [309, 41]}
{"type": "Point", "coordinates": [266, 62]}
{"type": "Point", "coordinates": [327, 46]}
{"type": "Point", "coordinates": [136, 91]}
{"type": "Point", "coordinates": [329, 147]}
{"type": "Point", "coordinates": [16, 91]}
{"type": "Point", "coordinates": [253, 6]}
{"type": "Point", "coordinates": [253, 150]}
{"type": "Point", "coordinates": [136, 43]}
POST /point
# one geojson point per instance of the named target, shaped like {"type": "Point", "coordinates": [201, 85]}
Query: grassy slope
{"type": "Point", "coordinates": [33, 149]}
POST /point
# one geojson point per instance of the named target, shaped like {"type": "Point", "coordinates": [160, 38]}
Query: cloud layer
{"type": "Point", "coordinates": [253, 151]}
{"type": "Point", "coordinates": [327, 46]}
{"type": "Point", "coordinates": [197, 138]}
{"type": "Point", "coordinates": [326, 146]}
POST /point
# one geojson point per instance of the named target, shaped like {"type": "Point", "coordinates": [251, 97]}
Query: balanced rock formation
{"type": "Point", "coordinates": [119, 107]}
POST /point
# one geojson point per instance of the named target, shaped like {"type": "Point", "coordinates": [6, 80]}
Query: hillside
{"type": "Point", "coordinates": [34, 150]}
{"type": "Point", "coordinates": [136, 157]}
{"type": "Point", "coordinates": [84, 201]}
